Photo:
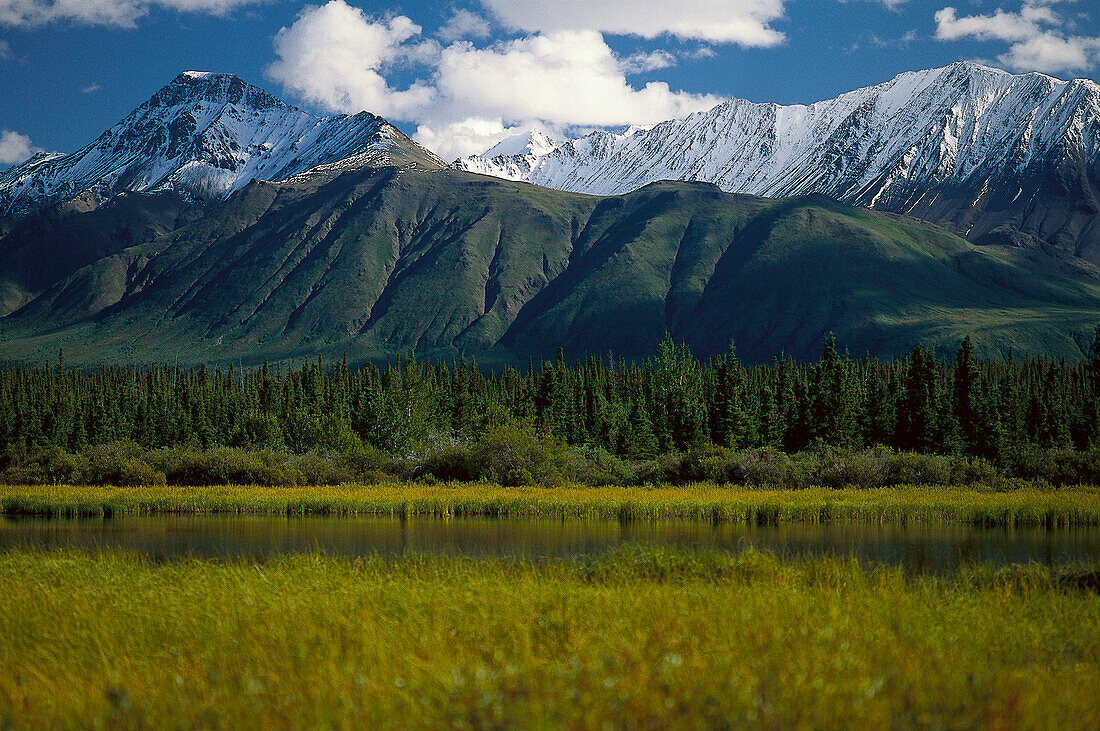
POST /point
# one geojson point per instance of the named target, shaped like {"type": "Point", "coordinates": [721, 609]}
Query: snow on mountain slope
{"type": "Point", "coordinates": [205, 135]}
{"type": "Point", "coordinates": [884, 146]}
{"type": "Point", "coordinates": [513, 158]}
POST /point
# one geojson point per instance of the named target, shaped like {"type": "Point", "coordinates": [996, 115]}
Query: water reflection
{"type": "Point", "coordinates": [920, 547]}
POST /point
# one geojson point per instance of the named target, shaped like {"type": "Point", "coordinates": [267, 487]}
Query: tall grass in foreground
{"type": "Point", "coordinates": [641, 638]}
{"type": "Point", "coordinates": [1024, 507]}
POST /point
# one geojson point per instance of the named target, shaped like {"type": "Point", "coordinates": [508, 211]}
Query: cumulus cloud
{"type": "Point", "coordinates": [1000, 25]}
{"type": "Point", "coordinates": [1037, 40]}
{"type": "Point", "coordinates": [1050, 52]}
{"type": "Point", "coordinates": [569, 77]}
{"type": "Point", "coordinates": [469, 96]}
{"type": "Point", "coordinates": [469, 136]}
{"type": "Point", "coordinates": [744, 22]}
{"type": "Point", "coordinates": [336, 56]}
{"type": "Point", "coordinates": [91, 88]}
{"type": "Point", "coordinates": [464, 25]}
{"type": "Point", "coordinates": [15, 148]}
{"type": "Point", "coordinates": [118, 13]}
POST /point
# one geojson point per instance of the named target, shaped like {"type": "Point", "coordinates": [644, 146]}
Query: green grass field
{"type": "Point", "coordinates": [1023, 507]}
{"type": "Point", "coordinates": [641, 638]}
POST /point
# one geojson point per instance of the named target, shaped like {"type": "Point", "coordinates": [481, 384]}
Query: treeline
{"type": "Point", "coordinates": [1001, 411]}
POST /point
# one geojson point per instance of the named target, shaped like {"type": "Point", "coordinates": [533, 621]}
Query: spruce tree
{"type": "Point", "coordinates": [967, 404]}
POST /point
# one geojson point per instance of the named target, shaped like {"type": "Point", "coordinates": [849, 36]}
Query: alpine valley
{"type": "Point", "coordinates": [216, 223]}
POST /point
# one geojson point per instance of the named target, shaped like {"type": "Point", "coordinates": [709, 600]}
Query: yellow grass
{"type": "Point", "coordinates": [641, 638]}
{"type": "Point", "coordinates": [1028, 506]}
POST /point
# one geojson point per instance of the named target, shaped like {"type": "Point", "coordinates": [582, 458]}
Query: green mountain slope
{"type": "Point", "coordinates": [377, 262]}
{"type": "Point", "coordinates": [39, 251]}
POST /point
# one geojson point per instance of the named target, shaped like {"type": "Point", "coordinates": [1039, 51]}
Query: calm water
{"type": "Point", "coordinates": [926, 548]}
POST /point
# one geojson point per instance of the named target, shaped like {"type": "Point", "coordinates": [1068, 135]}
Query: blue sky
{"type": "Point", "coordinates": [460, 76]}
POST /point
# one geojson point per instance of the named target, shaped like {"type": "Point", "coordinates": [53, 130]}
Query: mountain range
{"type": "Point", "coordinates": [994, 157]}
{"type": "Point", "coordinates": [216, 223]}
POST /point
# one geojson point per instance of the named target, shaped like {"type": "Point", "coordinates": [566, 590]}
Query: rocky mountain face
{"type": "Point", "coordinates": [995, 157]}
{"type": "Point", "coordinates": [203, 136]}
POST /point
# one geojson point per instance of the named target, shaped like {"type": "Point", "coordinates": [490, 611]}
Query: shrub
{"type": "Point", "coordinates": [60, 467]}
{"type": "Point", "coordinates": [49, 466]}
{"type": "Point", "coordinates": [225, 466]}
{"type": "Point", "coordinates": [450, 462]}
{"type": "Point", "coordinates": [119, 463]}
{"type": "Point", "coordinates": [766, 467]}
{"type": "Point", "coordinates": [708, 463]}
{"type": "Point", "coordinates": [517, 454]}
{"type": "Point", "coordinates": [830, 468]}
{"type": "Point", "coordinates": [911, 468]}
{"type": "Point", "coordinates": [975, 471]}
{"type": "Point", "coordinates": [318, 469]}
{"type": "Point", "coordinates": [364, 458]}
{"type": "Point", "coordinates": [1057, 466]}
{"type": "Point", "coordinates": [135, 473]}
{"type": "Point", "coordinates": [23, 474]}
{"type": "Point", "coordinates": [649, 472]}
{"type": "Point", "coordinates": [595, 466]}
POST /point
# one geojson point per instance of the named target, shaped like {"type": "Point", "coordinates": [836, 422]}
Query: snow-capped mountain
{"type": "Point", "coordinates": [962, 144]}
{"type": "Point", "coordinates": [513, 158]}
{"type": "Point", "coordinates": [205, 135]}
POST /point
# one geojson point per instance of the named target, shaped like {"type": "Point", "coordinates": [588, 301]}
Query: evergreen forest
{"type": "Point", "coordinates": [1001, 413]}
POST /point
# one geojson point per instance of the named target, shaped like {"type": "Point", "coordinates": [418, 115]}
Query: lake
{"type": "Point", "coordinates": [931, 548]}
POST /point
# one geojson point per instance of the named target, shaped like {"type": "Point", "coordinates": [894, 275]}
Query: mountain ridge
{"type": "Point", "coordinates": [202, 136]}
{"type": "Point", "coordinates": [971, 147]}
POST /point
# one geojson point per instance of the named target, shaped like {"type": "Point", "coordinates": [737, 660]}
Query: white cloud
{"type": "Point", "coordinates": [336, 56]}
{"type": "Point", "coordinates": [464, 26]}
{"type": "Point", "coordinates": [470, 96]}
{"type": "Point", "coordinates": [638, 63]}
{"type": "Point", "coordinates": [1000, 25]}
{"type": "Point", "coordinates": [568, 77]}
{"type": "Point", "coordinates": [5, 49]}
{"type": "Point", "coordinates": [744, 22]}
{"type": "Point", "coordinates": [15, 148]}
{"type": "Point", "coordinates": [1037, 41]}
{"type": "Point", "coordinates": [467, 136]}
{"type": "Point", "coordinates": [1049, 52]}
{"type": "Point", "coordinates": [118, 13]}
{"type": "Point", "coordinates": [701, 53]}
{"type": "Point", "coordinates": [91, 88]}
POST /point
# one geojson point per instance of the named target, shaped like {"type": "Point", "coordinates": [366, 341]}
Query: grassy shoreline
{"type": "Point", "coordinates": [1052, 508]}
{"type": "Point", "coordinates": [641, 638]}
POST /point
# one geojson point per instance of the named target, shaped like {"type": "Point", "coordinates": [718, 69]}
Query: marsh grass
{"type": "Point", "coordinates": [1052, 508]}
{"type": "Point", "coordinates": [643, 637]}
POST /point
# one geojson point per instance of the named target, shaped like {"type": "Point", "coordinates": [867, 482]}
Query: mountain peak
{"type": "Point", "coordinates": [204, 135]}
{"type": "Point", "coordinates": [535, 141]}
{"type": "Point", "coordinates": [192, 87]}
{"type": "Point", "coordinates": [513, 157]}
